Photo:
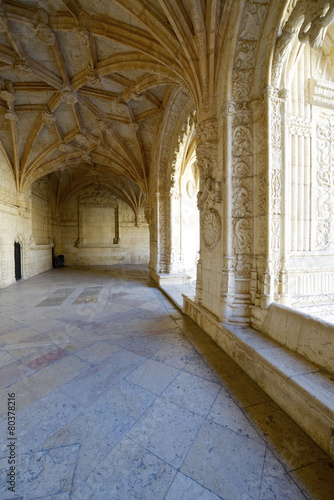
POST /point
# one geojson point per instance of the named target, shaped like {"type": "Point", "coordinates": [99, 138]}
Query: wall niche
{"type": "Point", "coordinates": [98, 221]}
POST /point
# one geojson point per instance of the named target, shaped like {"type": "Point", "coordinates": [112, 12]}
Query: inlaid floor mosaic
{"type": "Point", "coordinates": [114, 394]}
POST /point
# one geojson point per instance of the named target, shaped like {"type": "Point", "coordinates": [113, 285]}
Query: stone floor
{"type": "Point", "coordinates": [120, 396]}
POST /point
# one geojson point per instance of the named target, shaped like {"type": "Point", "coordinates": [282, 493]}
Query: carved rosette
{"type": "Point", "coordinates": [211, 228]}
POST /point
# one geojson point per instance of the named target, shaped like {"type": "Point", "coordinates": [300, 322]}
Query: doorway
{"type": "Point", "coordinates": [17, 259]}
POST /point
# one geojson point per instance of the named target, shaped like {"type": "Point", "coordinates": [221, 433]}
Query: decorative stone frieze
{"type": "Point", "coordinates": [299, 126]}
{"type": "Point", "coordinates": [321, 93]}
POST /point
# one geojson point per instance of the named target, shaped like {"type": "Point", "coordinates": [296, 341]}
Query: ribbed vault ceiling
{"type": "Point", "coordinates": [84, 84]}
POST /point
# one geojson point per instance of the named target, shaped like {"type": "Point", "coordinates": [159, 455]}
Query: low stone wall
{"type": "Point", "coordinates": [310, 337]}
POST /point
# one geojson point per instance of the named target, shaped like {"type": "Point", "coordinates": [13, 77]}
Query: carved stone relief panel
{"type": "Point", "coordinates": [206, 151]}
{"type": "Point", "coordinates": [324, 185]}
{"type": "Point", "coordinates": [252, 22]}
{"type": "Point", "coordinates": [241, 184]}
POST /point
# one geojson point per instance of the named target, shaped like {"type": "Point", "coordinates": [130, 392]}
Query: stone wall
{"type": "Point", "coordinates": [16, 223]}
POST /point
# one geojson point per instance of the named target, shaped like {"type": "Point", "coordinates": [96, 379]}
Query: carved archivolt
{"type": "Point", "coordinates": [211, 228]}
{"type": "Point", "coordinates": [309, 20]}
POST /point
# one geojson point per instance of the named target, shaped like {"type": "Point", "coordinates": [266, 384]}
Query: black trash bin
{"type": "Point", "coordinates": [61, 261]}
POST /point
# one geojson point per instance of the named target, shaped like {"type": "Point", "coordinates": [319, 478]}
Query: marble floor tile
{"type": "Point", "coordinates": [177, 356]}
{"type": "Point", "coordinates": [153, 376]}
{"type": "Point", "coordinates": [192, 393]}
{"type": "Point", "coordinates": [289, 442]}
{"type": "Point", "coordinates": [142, 345]}
{"type": "Point", "coordinates": [42, 473]}
{"type": "Point", "coordinates": [109, 408]}
{"type": "Point", "coordinates": [36, 423]}
{"type": "Point", "coordinates": [241, 387]}
{"type": "Point", "coordinates": [6, 358]}
{"type": "Point", "coordinates": [57, 298]}
{"type": "Point", "coordinates": [226, 413]}
{"type": "Point", "coordinates": [97, 352]}
{"type": "Point", "coordinates": [186, 489]}
{"type": "Point", "coordinates": [276, 483]}
{"type": "Point", "coordinates": [128, 472]}
{"type": "Point", "coordinates": [44, 381]}
{"type": "Point", "coordinates": [89, 294]}
{"type": "Point", "coordinates": [47, 359]}
{"type": "Point", "coordinates": [166, 419]}
{"type": "Point", "coordinates": [228, 464]}
{"type": "Point", "coordinates": [12, 372]}
{"type": "Point", "coordinates": [199, 366]}
{"type": "Point", "coordinates": [89, 386]}
{"type": "Point", "coordinates": [105, 422]}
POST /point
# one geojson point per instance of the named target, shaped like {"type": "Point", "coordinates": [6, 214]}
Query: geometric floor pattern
{"type": "Point", "coordinates": [120, 396]}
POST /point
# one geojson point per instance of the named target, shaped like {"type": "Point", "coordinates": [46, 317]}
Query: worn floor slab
{"type": "Point", "coordinates": [120, 396]}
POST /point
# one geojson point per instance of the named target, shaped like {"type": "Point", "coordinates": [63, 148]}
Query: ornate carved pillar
{"type": "Point", "coordinates": [286, 202]}
{"type": "Point", "coordinates": [260, 197]}
{"type": "Point", "coordinates": [208, 202]}
{"type": "Point", "coordinates": [275, 195]}
{"type": "Point", "coordinates": [228, 272]}
{"type": "Point", "coordinates": [163, 254]}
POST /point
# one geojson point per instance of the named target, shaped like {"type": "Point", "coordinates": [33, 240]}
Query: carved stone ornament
{"type": "Point", "coordinates": [11, 116]}
{"type": "Point", "coordinates": [82, 34]}
{"type": "Point", "coordinates": [68, 97]}
{"type": "Point", "coordinates": [211, 228]}
{"type": "Point", "coordinates": [45, 34]}
{"type": "Point", "coordinates": [48, 117]}
{"type": "Point", "coordinates": [81, 138]}
{"type": "Point", "coordinates": [3, 23]}
{"type": "Point", "coordinates": [93, 79]}
{"type": "Point", "coordinates": [21, 67]}
{"type": "Point", "coordinates": [210, 193]}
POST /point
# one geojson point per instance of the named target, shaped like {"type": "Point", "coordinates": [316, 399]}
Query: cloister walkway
{"type": "Point", "coordinates": [120, 396]}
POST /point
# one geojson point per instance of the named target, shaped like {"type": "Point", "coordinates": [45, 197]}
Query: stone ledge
{"type": "Point", "coordinates": [297, 385]}
{"type": "Point", "coordinates": [172, 279]}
